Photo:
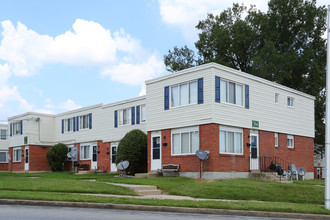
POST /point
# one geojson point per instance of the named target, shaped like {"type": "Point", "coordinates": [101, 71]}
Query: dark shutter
{"type": "Point", "coordinates": [74, 124]}
{"type": "Point", "coordinates": [217, 89]}
{"type": "Point", "coordinates": [11, 129]}
{"type": "Point", "coordinates": [90, 120]}
{"type": "Point", "coordinates": [133, 115]}
{"type": "Point", "coordinates": [21, 126]}
{"type": "Point", "coordinates": [77, 123]}
{"type": "Point", "coordinates": [247, 97]}
{"type": "Point", "coordinates": [166, 97]}
{"type": "Point", "coordinates": [116, 118]}
{"type": "Point", "coordinates": [138, 114]}
{"type": "Point", "coordinates": [200, 91]}
{"type": "Point", "coordinates": [62, 126]}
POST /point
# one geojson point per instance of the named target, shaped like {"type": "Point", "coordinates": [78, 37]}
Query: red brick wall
{"type": "Point", "coordinates": [16, 166]}
{"type": "Point", "coordinates": [103, 156]}
{"type": "Point", "coordinates": [302, 155]}
{"type": "Point", "coordinates": [4, 166]}
{"type": "Point", "coordinates": [37, 158]}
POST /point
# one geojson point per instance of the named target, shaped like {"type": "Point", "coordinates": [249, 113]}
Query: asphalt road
{"type": "Point", "coordinates": [17, 212]}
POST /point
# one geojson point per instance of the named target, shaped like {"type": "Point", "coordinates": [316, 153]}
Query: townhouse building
{"type": "Point", "coordinates": [237, 117]}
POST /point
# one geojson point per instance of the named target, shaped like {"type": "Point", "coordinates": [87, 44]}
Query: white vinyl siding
{"type": "Point", "coordinates": [290, 140]}
{"type": "Point", "coordinates": [83, 122]}
{"type": "Point", "coordinates": [17, 154]}
{"type": "Point", "coordinates": [185, 141]}
{"type": "Point", "coordinates": [231, 140]}
{"type": "Point", "coordinates": [3, 134]}
{"type": "Point", "coordinates": [3, 157]}
{"type": "Point", "coordinates": [184, 94]}
{"type": "Point", "coordinates": [231, 92]}
{"type": "Point", "coordinates": [276, 139]}
{"type": "Point", "coordinates": [125, 116]}
{"type": "Point", "coordinates": [16, 128]}
{"type": "Point", "coordinates": [68, 125]}
{"type": "Point", "coordinates": [85, 153]}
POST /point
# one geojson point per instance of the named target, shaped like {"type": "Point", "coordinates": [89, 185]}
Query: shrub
{"type": "Point", "coordinates": [56, 156]}
{"type": "Point", "coordinates": [133, 148]}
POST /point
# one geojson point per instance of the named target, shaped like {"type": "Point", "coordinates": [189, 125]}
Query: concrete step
{"type": "Point", "coordinates": [149, 192]}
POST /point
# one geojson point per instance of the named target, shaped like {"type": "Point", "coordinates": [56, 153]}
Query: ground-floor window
{"type": "Point", "coordinates": [3, 157]}
{"type": "Point", "coordinates": [185, 141]}
{"type": "Point", "coordinates": [231, 140]}
{"type": "Point", "coordinates": [113, 154]}
{"type": "Point", "coordinates": [17, 154]}
{"type": "Point", "coordinates": [290, 141]}
{"type": "Point", "coordinates": [85, 152]}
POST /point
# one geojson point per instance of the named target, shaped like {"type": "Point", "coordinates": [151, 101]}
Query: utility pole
{"type": "Point", "coordinates": [327, 123]}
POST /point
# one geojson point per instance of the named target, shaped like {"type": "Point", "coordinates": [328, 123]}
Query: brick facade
{"type": "Point", "coordinates": [301, 155]}
{"type": "Point", "coordinates": [37, 158]}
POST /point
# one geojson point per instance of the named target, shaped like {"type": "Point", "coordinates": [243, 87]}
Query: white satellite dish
{"type": "Point", "coordinates": [122, 165]}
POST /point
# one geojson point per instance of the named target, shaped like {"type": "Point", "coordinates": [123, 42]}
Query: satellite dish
{"type": "Point", "coordinates": [122, 165]}
{"type": "Point", "coordinates": [301, 171]}
{"type": "Point", "coordinates": [73, 154]}
{"type": "Point", "coordinates": [69, 155]}
{"type": "Point", "coordinates": [202, 154]}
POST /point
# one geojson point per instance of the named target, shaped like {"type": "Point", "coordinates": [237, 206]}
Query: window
{"type": "Point", "coordinates": [16, 128]}
{"type": "Point", "coordinates": [17, 154]}
{"type": "Point", "coordinates": [143, 113]}
{"type": "Point", "coordinates": [85, 152]}
{"type": "Point", "coordinates": [290, 101]}
{"type": "Point", "coordinates": [185, 141]}
{"type": "Point", "coordinates": [276, 139]}
{"type": "Point", "coordinates": [231, 140]}
{"type": "Point", "coordinates": [3, 134]}
{"type": "Point", "coordinates": [184, 94]}
{"type": "Point", "coordinates": [231, 92]}
{"type": "Point", "coordinates": [125, 116]}
{"type": "Point", "coordinates": [3, 157]}
{"type": "Point", "coordinates": [276, 97]}
{"type": "Point", "coordinates": [290, 141]}
{"type": "Point", "coordinates": [84, 122]}
{"type": "Point", "coordinates": [68, 125]}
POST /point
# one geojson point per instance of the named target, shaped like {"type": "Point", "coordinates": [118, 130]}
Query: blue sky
{"type": "Point", "coordinates": [59, 55]}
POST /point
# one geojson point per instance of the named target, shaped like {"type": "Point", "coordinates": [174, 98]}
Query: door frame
{"type": "Point", "coordinates": [157, 163]}
{"type": "Point", "coordinates": [94, 163]}
{"type": "Point", "coordinates": [26, 155]}
{"type": "Point", "coordinates": [113, 166]}
{"type": "Point", "coordinates": [254, 162]}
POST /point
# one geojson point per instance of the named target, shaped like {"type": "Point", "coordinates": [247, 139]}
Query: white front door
{"type": "Point", "coordinates": [254, 151]}
{"type": "Point", "coordinates": [94, 157]}
{"type": "Point", "coordinates": [113, 167]}
{"type": "Point", "coordinates": [156, 153]}
{"type": "Point", "coordinates": [26, 158]}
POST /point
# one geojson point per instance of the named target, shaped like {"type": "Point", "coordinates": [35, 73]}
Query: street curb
{"type": "Point", "coordinates": [163, 209]}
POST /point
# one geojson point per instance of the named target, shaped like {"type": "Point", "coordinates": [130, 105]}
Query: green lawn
{"type": "Point", "coordinates": [302, 196]}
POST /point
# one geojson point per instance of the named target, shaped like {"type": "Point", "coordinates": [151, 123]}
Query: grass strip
{"type": "Point", "coordinates": [240, 205]}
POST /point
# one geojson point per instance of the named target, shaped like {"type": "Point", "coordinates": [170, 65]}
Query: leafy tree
{"type": "Point", "coordinates": [133, 148]}
{"type": "Point", "coordinates": [284, 45]}
{"type": "Point", "coordinates": [56, 156]}
{"type": "Point", "coordinates": [179, 59]}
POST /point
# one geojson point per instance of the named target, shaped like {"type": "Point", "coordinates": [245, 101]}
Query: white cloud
{"type": "Point", "coordinates": [68, 105]}
{"type": "Point", "coordinates": [135, 74]}
{"type": "Point", "coordinates": [4, 74]}
{"type": "Point", "coordinates": [12, 94]}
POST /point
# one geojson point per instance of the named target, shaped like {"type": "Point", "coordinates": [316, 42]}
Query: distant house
{"type": "Point", "coordinates": [3, 147]}
{"type": "Point", "coordinates": [239, 118]}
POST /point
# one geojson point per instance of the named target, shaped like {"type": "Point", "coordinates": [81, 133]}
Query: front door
{"type": "Point", "coordinates": [26, 158]}
{"type": "Point", "coordinates": [254, 151]}
{"type": "Point", "coordinates": [113, 166]}
{"type": "Point", "coordinates": [156, 153]}
{"type": "Point", "coordinates": [94, 157]}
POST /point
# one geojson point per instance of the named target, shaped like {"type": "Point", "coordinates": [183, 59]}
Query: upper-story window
{"type": "Point", "coordinates": [125, 116]}
{"type": "Point", "coordinates": [3, 134]}
{"type": "Point", "coordinates": [16, 128]}
{"type": "Point", "coordinates": [276, 97]}
{"type": "Point", "coordinates": [231, 92]}
{"type": "Point", "coordinates": [184, 94]}
{"type": "Point", "coordinates": [84, 121]}
{"type": "Point", "coordinates": [143, 113]}
{"type": "Point", "coordinates": [290, 101]}
{"type": "Point", "coordinates": [68, 125]}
